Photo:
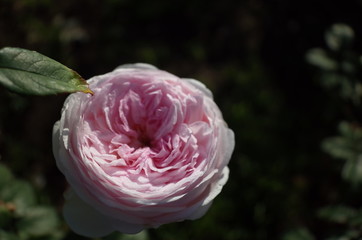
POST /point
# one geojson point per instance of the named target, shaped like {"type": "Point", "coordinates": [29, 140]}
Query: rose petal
{"type": "Point", "coordinates": [83, 219]}
{"type": "Point", "coordinates": [199, 85]}
{"type": "Point", "coordinates": [137, 65]}
{"type": "Point", "coordinates": [148, 148]}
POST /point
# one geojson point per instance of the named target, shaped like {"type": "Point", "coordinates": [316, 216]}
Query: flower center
{"type": "Point", "coordinates": [142, 140]}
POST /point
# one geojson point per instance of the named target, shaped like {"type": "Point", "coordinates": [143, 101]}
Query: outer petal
{"type": "Point", "coordinates": [56, 138]}
{"type": "Point", "coordinates": [137, 66]}
{"type": "Point", "coordinates": [229, 143]}
{"type": "Point", "coordinates": [199, 85]}
{"type": "Point", "coordinates": [84, 219]}
{"type": "Point", "coordinates": [217, 187]}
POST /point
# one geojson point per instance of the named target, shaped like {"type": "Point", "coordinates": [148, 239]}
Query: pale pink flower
{"type": "Point", "coordinates": [148, 148]}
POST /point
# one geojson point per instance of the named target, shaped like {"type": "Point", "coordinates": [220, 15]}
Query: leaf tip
{"type": "Point", "coordinates": [88, 91]}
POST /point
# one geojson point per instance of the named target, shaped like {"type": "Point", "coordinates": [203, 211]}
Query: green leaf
{"type": "Point", "coordinates": [7, 236]}
{"type": "Point", "coordinates": [356, 220]}
{"type": "Point", "coordinates": [298, 234]}
{"type": "Point", "coordinates": [5, 214]}
{"type": "Point", "coordinates": [339, 147]}
{"type": "Point", "coordinates": [337, 214]}
{"type": "Point", "coordinates": [5, 176]}
{"type": "Point", "coordinates": [352, 234]}
{"type": "Point", "coordinates": [120, 236]}
{"type": "Point", "coordinates": [29, 72]}
{"type": "Point", "coordinates": [19, 193]}
{"type": "Point", "coordinates": [319, 58]}
{"type": "Point", "coordinates": [38, 221]}
{"type": "Point", "coordinates": [339, 36]}
{"type": "Point", "coordinates": [352, 170]}
{"type": "Point", "coordinates": [139, 236]}
{"type": "Point", "coordinates": [348, 147]}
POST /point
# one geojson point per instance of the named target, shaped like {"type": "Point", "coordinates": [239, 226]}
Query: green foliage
{"type": "Point", "coordinates": [21, 217]}
{"type": "Point", "coordinates": [339, 36]}
{"type": "Point", "coordinates": [338, 214]}
{"type": "Point", "coordinates": [347, 146]}
{"type": "Point", "coordinates": [340, 67]}
{"type": "Point", "coordinates": [349, 218]}
{"type": "Point", "coordinates": [19, 193]}
{"type": "Point", "coordinates": [118, 236]}
{"type": "Point", "coordinates": [8, 236]}
{"type": "Point", "coordinates": [38, 221]}
{"type": "Point", "coordinates": [30, 72]}
{"type": "Point", "coordinates": [298, 234]}
{"type": "Point", "coordinates": [6, 176]}
{"type": "Point", "coordinates": [319, 58]}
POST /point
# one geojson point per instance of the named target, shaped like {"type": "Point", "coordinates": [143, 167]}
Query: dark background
{"type": "Point", "coordinates": [250, 53]}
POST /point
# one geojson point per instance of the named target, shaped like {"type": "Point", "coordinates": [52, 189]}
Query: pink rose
{"type": "Point", "coordinates": [148, 148]}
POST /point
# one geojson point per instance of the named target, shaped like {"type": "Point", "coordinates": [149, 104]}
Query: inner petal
{"type": "Point", "coordinates": [147, 134]}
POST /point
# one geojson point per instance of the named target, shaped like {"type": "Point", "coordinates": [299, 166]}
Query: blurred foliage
{"type": "Point", "coordinates": [340, 65]}
{"type": "Point", "coordinates": [251, 54]}
{"type": "Point", "coordinates": [21, 216]}
{"type": "Point", "coordinates": [340, 68]}
{"type": "Point", "coordinates": [298, 234]}
{"type": "Point", "coordinates": [348, 147]}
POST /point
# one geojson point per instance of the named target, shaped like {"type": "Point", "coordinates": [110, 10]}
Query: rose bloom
{"type": "Point", "coordinates": [148, 148]}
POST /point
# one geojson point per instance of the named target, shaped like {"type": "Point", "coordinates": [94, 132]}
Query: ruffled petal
{"type": "Point", "coordinates": [148, 148]}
